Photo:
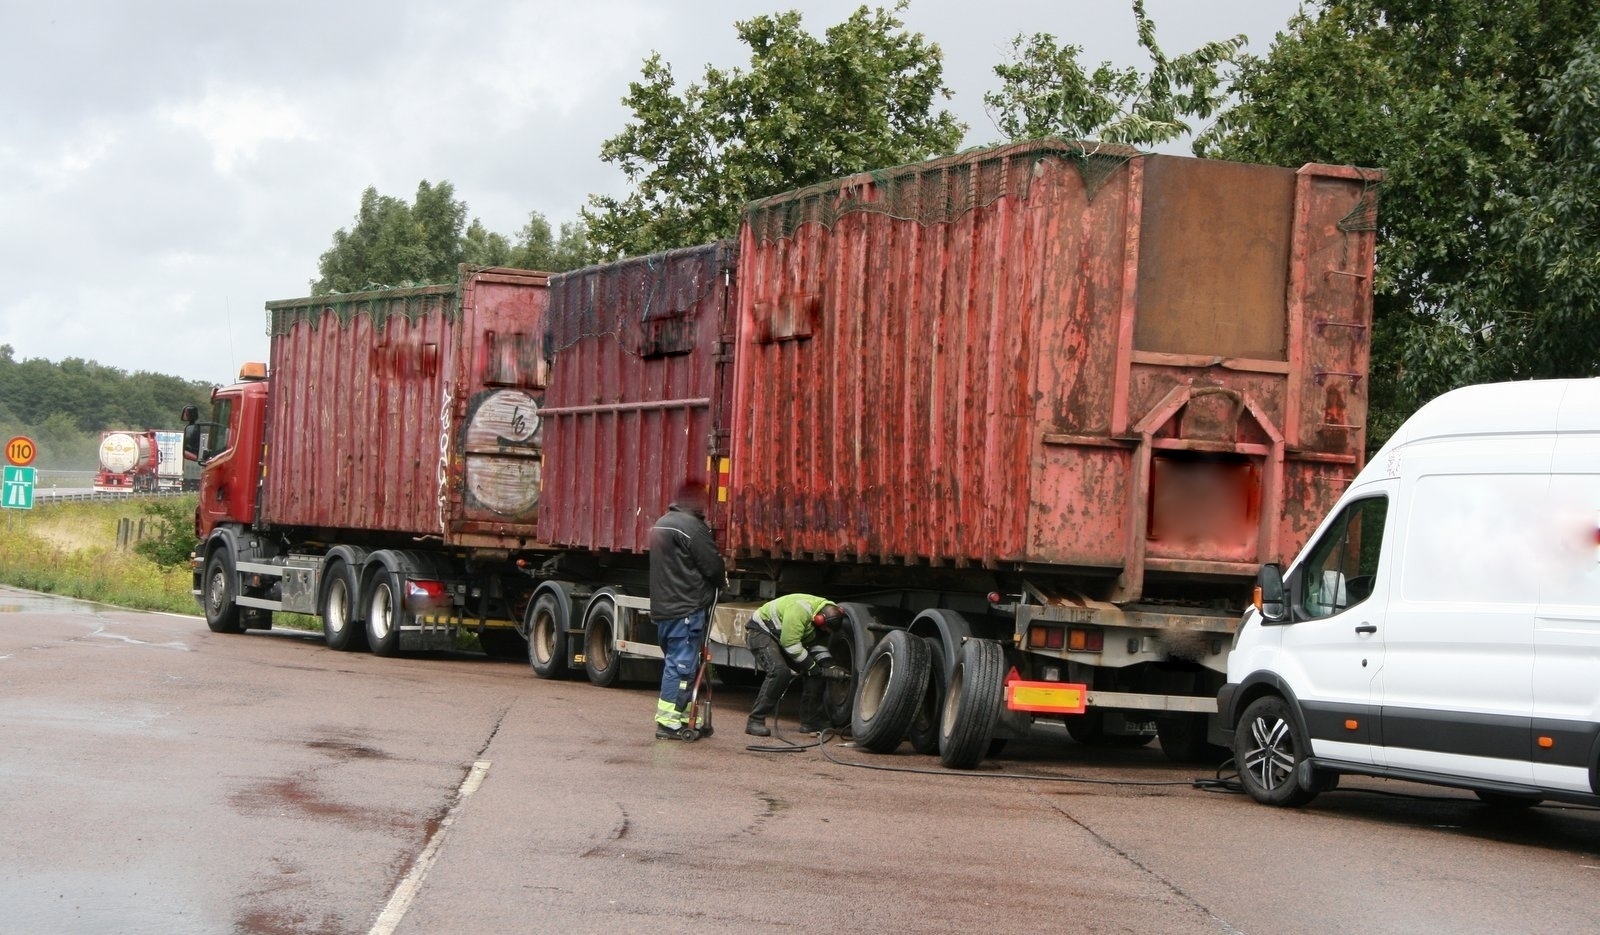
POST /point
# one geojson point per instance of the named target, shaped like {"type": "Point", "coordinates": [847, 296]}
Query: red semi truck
{"type": "Point", "coordinates": [130, 462]}
{"type": "Point", "coordinates": [1033, 415]}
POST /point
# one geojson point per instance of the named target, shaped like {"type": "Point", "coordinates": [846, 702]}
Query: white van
{"type": "Point", "coordinates": [1443, 625]}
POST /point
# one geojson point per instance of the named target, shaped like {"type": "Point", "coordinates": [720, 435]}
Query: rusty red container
{"type": "Point", "coordinates": [410, 411]}
{"type": "Point", "coordinates": [637, 401]}
{"type": "Point", "coordinates": [1052, 355]}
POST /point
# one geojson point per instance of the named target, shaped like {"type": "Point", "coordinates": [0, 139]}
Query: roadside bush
{"type": "Point", "coordinates": [174, 531]}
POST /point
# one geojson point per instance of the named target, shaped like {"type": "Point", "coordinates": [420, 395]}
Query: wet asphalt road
{"type": "Point", "coordinates": [158, 778]}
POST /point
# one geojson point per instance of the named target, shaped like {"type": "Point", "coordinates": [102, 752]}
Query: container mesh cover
{"type": "Point", "coordinates": [936, 192]}
{"type": "Point", "coordinates": [646, 304]}
{"type": "Point", "coordinates": [380, 306]}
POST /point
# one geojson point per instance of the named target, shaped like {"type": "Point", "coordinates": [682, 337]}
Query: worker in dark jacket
{"type": "Point", "coordinates": [685, 572]}
{"type": "Point", "coordinates": [788, 637]}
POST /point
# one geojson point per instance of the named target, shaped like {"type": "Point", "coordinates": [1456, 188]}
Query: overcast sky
{"type": "Point", "coordinates": [167, 167]}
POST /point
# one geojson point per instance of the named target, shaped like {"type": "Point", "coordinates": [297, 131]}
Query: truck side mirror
{"type": "Point", "coordinates": [1269, 593]}
{"type": "Point", "coordinates": [191, 437]}
{"type": "Point", "coordinates": [191, 414]}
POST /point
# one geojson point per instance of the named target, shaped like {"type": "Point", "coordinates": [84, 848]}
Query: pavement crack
{"type": "Point", "coordinates": [1223, 925]}
{"type": "Point", "coordinates": [499, 719]}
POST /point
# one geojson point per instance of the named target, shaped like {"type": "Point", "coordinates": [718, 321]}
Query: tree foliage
{"type": "Point", "coordinates": [64, 406]}
{"type": "Point", "coordinates": [1046, 91]}
{"type": "Point", "coordinates": [806, 110]}
{"type": "Point", "coordinates": [394, 244]}
{"type": "Point", "coordinates": [1461, 101]}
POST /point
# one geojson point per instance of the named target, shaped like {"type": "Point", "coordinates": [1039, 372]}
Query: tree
{"type": "Point", "coordinates": [1451, 97]}
{"type": "Point", "coordinates": [1045, 91]}
{"type": "Point", "coordinates": [805, 111]}
{"type": "Point", "coordinates": [392, 243]}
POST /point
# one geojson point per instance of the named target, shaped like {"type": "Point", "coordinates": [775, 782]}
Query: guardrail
{"type": "Point", "coordinates": [54, 495]}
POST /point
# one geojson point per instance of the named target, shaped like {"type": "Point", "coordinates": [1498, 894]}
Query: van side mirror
{"type": "Point", "coordinates": [1269, 594]}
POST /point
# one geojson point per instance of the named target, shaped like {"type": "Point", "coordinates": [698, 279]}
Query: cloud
{"type": "Point", "coordinates": [236, 121]}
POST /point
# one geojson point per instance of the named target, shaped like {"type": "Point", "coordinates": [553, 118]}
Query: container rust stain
{"type": "Point", "coordinates": [1048, 355]}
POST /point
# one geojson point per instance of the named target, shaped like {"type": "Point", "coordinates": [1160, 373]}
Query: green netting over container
{"type": "Point", "coordinates": [936, 192]}
{"type": "Point", "coordinates": [378, 305]}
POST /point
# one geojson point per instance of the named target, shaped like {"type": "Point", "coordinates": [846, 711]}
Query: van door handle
{"type": "Point", "coordinates": [1366, 628]}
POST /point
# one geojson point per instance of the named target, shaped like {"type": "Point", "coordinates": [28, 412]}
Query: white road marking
{"type": "Point", "coordinates": [406, 892]}
{"type": "Point", "coordinates": [128, 639]}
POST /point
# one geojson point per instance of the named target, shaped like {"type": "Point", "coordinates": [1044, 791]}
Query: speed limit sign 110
{"type": "Point", "coordinates": [21, 450]}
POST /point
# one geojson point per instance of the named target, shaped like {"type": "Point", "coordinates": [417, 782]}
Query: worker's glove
{"type": "Point", "coordinates": [833, 673]}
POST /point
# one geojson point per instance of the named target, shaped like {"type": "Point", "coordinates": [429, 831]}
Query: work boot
{"type": "Point", "coordinates": [757, 727]}
{"type": "Point", "coordinates": [682, 732]}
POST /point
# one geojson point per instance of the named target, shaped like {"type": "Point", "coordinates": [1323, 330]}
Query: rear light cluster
{"type": "Point", "coordinates": [426, 595]}
{"type": "Point", "coordinates": [1075, 639]}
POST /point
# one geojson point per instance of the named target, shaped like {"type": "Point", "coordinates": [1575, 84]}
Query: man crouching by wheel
{"type": "Point", "coordinates": [788, 637]}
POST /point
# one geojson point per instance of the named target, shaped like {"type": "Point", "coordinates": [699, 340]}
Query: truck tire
{"type": "Point", "coordinates": [342, 626]}
{"type": "Point", "coordinates": [1267, 749]}
{"type": "Point", "coordinates": [222, 614]}
{"type": "Point", "coordinates": [384, 612]}
{"type": "Point", "coordinates": [600, 660]}
{"type": "Point", "coordinates": [839, 698]}
{"type": "Point", "coordinates": [972, 704]}
{"type": "Point", "coordinates": [924, 730]}
{"type": "Point", "coordinates": [891, 689]}
{"type": "Point", "coordinates": [547, 635]}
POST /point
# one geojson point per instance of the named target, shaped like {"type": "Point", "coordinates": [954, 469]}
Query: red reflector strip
{"type": "Point", "coordinates": [1046, 697]}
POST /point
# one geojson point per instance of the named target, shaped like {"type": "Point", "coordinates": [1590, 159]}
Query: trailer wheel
{"type": "Point", "coordinates": [839, 698]}
{"type": "Point", "coordinates": [384, 612]}
{"type": "Point", "coordinates": [891, 689]}
{"type": "Point", "coordinates": [924, 730]}
{"type": "Point", "coordinates": [222, 614]}
{"type": "Point", "coordinates": [972, 704]}
{"type": "Point", "coordinates": [600, 659]}
{"type": "Point", "coordinates": [342, 628]}
{"type": "Point", "coordinates": [1268, 748]}
{"type": "Point", "coordinates": [547, 635]}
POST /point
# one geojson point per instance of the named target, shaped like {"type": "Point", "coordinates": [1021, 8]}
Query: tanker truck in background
{"type": "Point", "coordinates": [1032, 415]}
{"type": "Point", "coordinates": [144, 461]}
{"type": "Point", "coordinates": [130, 462]}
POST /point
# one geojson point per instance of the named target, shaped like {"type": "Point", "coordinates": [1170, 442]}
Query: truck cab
{"type": "Point", "coordinates": [228, 450]}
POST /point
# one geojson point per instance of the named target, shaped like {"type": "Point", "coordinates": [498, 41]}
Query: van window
{"type": "Point", "coordinates": [1340, 569]}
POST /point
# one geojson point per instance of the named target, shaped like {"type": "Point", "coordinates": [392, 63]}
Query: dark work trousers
{"type": "Point", "coordinates": [769, 656]}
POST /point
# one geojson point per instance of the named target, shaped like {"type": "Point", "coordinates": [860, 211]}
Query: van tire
{"type": "Point", "coordinates": [890, 690]}
{"type": "Point", "coordinates": [1267, 748]}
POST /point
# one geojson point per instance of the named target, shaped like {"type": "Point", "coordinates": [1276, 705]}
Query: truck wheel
{"type": "Point", "coordinates": [547, 636]}
{"type": "Point", "coordinates": [1266, 748]}
{"type": "Point", "coordinates": [222, 614]}
{"type": "Point", "coordinates": [839, 698]}
{"type": "Point", "coordinates": [924, 730]}
{"type": "Point", "coordinates": [1183, 740]}
{"type": "Point", "coordinates": [892, 686]}
{"type": "Point", "coordinates": [384, 613]}
{"type": "Point", "coordinates": [600, 659]}
{"type": "Point", "coordinates": [342, 628]}
{"type": "Point", "coordinates": [972, 704]}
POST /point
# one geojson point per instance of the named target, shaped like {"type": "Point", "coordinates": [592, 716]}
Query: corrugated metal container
{"type": "Point", "coordinates": [636, 401]}
{"type": "Point", "coordinates": [1052, 355]}
{"type": "Point", "coordinates": [410, 411]}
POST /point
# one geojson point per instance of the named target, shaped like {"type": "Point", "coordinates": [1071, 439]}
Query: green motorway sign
{"type": "Point", "coordinates": [16, 488]}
